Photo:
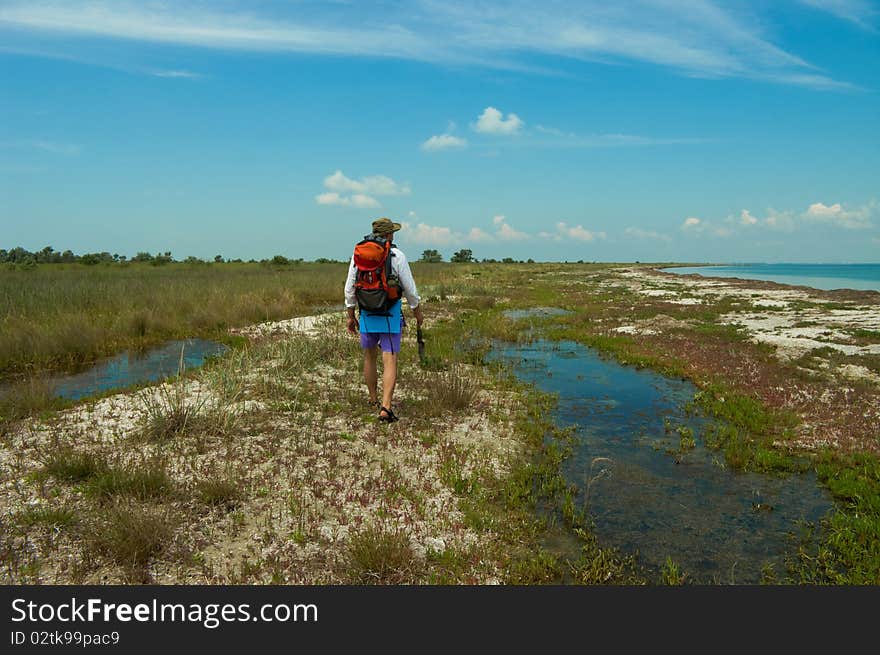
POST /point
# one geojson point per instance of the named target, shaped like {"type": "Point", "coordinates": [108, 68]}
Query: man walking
{"type": "Point", "coordinates": [377, 291]}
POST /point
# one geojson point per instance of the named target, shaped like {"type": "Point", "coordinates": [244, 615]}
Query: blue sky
{"type": "Point", "coordinates": [651, 130]}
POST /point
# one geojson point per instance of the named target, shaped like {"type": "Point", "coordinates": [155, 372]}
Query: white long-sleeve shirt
{"type": "Point", "coordinates": [399, 268]}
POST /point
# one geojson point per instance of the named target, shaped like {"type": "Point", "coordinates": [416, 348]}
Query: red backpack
{"type": "Point", "coordinates": [375, 286]}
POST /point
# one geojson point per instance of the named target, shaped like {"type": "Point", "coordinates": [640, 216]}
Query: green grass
{"type": "Point", "coordinates": [847, 549]}
{"type": "Point", "coordinates": [169, 414]}
{"type": "Point", "coordinates": [51, 517]}
{"type": "Point", "coordinates": [67, 464]}
{"type": "Point", "coordinates": [59, 315]}
{"type": "Point", "coordinates": [383, 556]}
{"type": "Point", "coordinates": [745, 430]}
{"type": "Point", "coordinates": [143, 482]}
{"type": "Point", "coordinates": [219, 492]}
{"type": "Point", "coordinates": [130, 536]}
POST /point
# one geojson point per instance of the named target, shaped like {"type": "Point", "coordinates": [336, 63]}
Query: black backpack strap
{"type": "Point", "coordinates": [388, 271]}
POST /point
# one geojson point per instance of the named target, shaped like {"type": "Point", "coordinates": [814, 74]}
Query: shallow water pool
{"type": "Point", "coordinates": [133, 367]}
{"type": "Point", "coordinates": [654, 499]}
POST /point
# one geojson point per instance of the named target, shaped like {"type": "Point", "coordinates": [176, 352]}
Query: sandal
{"type": "Point", "coordinates": [389, 417]}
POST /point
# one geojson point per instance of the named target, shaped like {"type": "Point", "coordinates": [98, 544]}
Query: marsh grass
{"type": "Point", "coordinates": [452, 391]}
{"type": "Point", "coordinates": [50, 517]}
{"type": "Point", "coordinates": [60, 315]}
{"type": "Point", "coordinates": [130, 535]}
{"type": "Point", "coordinates": [300, 353]}
{"type": "Point", "coordinates": [171, 413]}
{"type": "Point", "coordinates": [146, 481]}
{"type": "Point", "coordinates": [382, 556]}
{"type": "Point", "coordinates": [66, 464]}
{"type": "Point", "coordinates": [603, 566]}
{"type": "Point", "coordinates": [225, 493]}
{"type": "Point", "coordinates": [28, 397]}
{"type": "Point", "coordinates": [671, 573]}
{"type": "Point", "coordinates": [846, 549]}
{"type": "Point", "coordinates": [745, 430]}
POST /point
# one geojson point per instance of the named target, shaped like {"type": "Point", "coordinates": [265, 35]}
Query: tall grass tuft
{"type": "Point", "coordinates": [130, 536]}
{"type": "Point", "coordinates": [170, 413]}
{"type": "Point", "coordinates": [225, 493]}
{"type": "Point", "coordinates": [69, 465]}
{"type": "Point", "coordinates": [26, 398]}
{"type": "Point", "coordinates": [451, 390]}
{"type": "Point", "coordinates": [141, 482]}
{"type": "Point", "coordinates": [380, 556]}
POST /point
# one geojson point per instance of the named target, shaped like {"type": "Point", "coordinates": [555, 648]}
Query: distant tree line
{"type": "Point", "coordinates": [48, 255]}
{"type": "Point", "coordinates": [466, 256]}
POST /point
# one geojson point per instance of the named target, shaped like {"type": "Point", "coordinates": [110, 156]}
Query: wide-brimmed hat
{"type": "Point", "coordinates": [385, 226]}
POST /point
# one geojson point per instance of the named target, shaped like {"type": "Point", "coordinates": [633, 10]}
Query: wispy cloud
{"type": "Point", "coordinates": [182, 74]}
{"type": "Point", "coordinates": [860, 12]}
{"type": "Point", "coordinates": [53, 147]}
{"type": "Point", "coordinates": [691, 37]}
{"type": "Point", "coordinates": [639, 233]}
{"type": "Point", "coordinates": [560, 139]}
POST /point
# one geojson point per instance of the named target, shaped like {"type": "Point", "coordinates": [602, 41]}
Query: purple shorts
{"type": "Point", "coordinates": [389, 342]}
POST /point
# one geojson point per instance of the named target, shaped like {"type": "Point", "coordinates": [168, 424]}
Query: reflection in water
{"type": "Point", "coordinates": [131, 368]}
{"type": "Point", "coordinates": [716, 524]}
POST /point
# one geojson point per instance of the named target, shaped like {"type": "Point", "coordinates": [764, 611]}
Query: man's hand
{"type": "Point", "coordinates": [352, 321]}
{"type": "Point", "coordinates": [417, 312]}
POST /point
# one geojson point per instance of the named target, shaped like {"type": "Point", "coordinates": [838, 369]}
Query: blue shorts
{"type": "Point", "coordinates": [389, 342]}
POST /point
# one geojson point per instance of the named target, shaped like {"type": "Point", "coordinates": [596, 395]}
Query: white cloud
{"type": "Point", "coordinates": [498, 220]}
{"type": "Point", "coordinates": [780, 220]}
{"type": "Point", "coordinates": [577, 233]}
{"type": "Point", "coordinates": [476, 234]}
{"type": "Point", "coordinates": [507, 233]}
{"type": "Point", "coordinates": [745, 218]}
{"type": "Point", "coordinates": [639, 233]}
{"type": "Point", "coordinates": [433, 235]}
{"type": "Point", "coordinates": [492, 121]}
{"type": "Point", "coordinates": [362, 201]}
{"type": "Point", "coordinates": [357, 200]}
{"type": "Point", "coordinates": [836, 214]}
{"type": "Point", "coordinates": [444, 142]}
{"type": "Point", "coordinates": [361, 191]}
{"type": "Point", "coordinates": [379, 185]}
{"type": "Point", "coordinates": [819, 210]}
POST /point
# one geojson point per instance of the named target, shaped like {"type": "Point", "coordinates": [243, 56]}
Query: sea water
{"type": "Point", "coordinates": [818, 276]}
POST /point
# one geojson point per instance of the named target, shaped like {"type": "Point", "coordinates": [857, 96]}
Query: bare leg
{"type": "Point", "coordinates": [389, 377]}
{"type": "Point", "coordinates": [370, 374]}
